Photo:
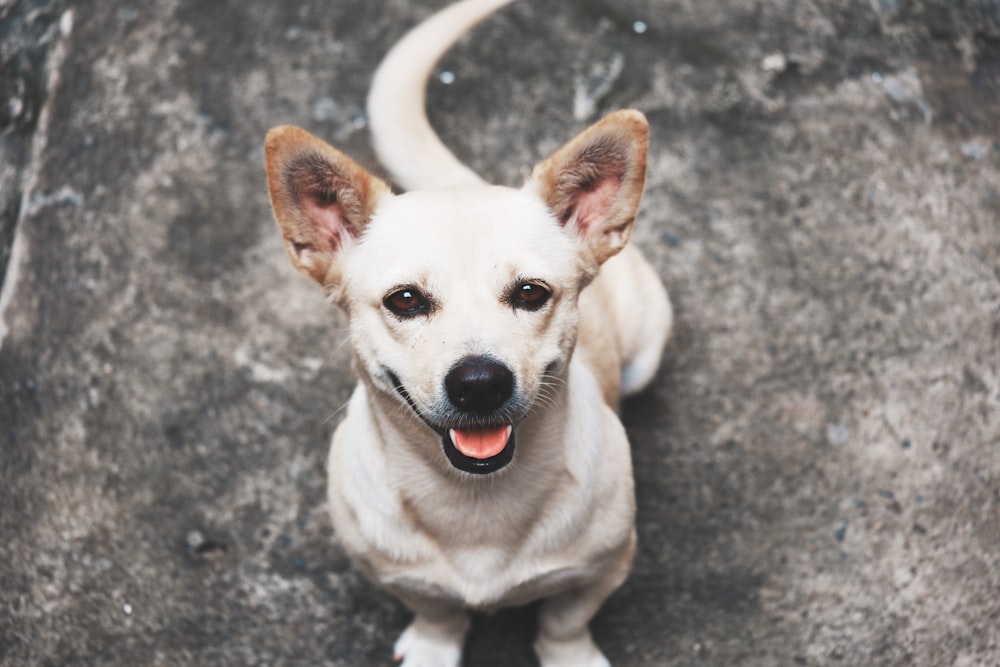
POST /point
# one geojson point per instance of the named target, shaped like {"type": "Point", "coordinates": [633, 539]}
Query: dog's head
{"type": "Point", "coordinates": [462, 303]}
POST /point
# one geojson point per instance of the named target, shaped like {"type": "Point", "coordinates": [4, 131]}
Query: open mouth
{"type": "Point", "coordinates": [479, 450]}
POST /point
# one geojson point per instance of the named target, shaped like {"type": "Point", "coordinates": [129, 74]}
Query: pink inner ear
{"type": "Point", "coordinates": [327, 221]}
{"type": "Point", "coordinates": [592, 206]}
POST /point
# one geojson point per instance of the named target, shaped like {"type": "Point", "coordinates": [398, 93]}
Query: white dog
{"type": "Point", "coordinates": [481, 318]}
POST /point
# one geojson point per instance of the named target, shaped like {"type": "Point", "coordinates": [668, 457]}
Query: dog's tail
{"type": "Point", "coordinates": [404, 140]}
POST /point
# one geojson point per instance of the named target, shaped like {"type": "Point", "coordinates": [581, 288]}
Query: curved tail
{"type": "Point", "coordinates": [403, 138]}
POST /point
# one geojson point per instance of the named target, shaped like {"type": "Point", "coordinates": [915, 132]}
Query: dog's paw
{"type": "Point", "coordinates": [418, 647]}
{"type": "Point", "coordinates": [579, 652]}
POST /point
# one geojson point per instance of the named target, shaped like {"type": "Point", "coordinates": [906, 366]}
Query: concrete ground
{"type": "Point", "coordinates": [817, 464]}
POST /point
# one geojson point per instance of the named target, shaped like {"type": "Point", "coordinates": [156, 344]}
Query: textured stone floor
{"type": "Point", "coordinates": [818, 462]}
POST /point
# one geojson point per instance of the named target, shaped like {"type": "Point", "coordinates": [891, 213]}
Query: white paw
{"type": "Point", "coordinates": [580, 652]}
{"type": "Point", "coordinates": [417, 647]}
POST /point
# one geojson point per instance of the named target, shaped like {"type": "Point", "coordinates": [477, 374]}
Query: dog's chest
{"type": "Point", "coordinates": [483, 552]}
{"type": "Point", "coordinates": [486, 579]}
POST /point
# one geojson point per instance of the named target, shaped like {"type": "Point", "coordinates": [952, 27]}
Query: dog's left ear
{"type": "Point", "coordinates": [594, 183]}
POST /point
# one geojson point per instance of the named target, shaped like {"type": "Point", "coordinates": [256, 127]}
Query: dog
{"type": "Point", "coordinates": [481, 463]}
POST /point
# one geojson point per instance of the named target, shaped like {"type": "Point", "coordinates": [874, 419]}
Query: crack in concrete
{"type": "Point", "coordinates": [25, 39]}
{"type": "Point", "coordinates": [24, 177]}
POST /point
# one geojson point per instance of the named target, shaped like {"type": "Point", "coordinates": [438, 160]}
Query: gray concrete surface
{"type": "Point", "coordinates": [817, 463]}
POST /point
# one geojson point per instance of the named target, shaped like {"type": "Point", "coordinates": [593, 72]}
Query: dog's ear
{"type": "Point", "coordinates": [594, 183]}
{"type": "Point", "coordinates": [322, 200]}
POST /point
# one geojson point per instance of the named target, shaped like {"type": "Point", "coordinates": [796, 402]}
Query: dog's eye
{"type": "Point", "coordinates": [530, 296]}
{"type": "Point", "coordinates": [406, 302]}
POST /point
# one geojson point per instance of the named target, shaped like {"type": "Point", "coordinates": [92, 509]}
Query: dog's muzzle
{"type": "Point", "coordinates": [479, 387]}
{"type": "Point", "coordinates": [477, 436]}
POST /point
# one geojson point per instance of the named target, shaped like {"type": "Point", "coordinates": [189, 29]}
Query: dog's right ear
{"type": "Point", "coordinates": [322, 200]}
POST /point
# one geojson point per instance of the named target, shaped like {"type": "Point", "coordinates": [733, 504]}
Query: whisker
{"type": "Point", "coordinates": [336, 412]}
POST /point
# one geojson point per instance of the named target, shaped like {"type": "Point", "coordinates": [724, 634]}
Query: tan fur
{"type": "Point", "coordinates": [557, 522]}
{"type": "Point", "coordinates": [607, 160]}
{"type": "Point", "coordinates": [288, 149]}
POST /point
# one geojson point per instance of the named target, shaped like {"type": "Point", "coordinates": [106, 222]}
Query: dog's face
{"type": "Point", "coordinates": [462, 303]}
{"type": "Point", "coordinates": [471, 312]}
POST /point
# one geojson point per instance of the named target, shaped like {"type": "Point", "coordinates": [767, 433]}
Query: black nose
{"type": "Point", "coordinates": [479, 384]}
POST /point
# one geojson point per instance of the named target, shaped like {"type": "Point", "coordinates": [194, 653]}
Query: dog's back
{"type": "Point", "coordinates": [625, 309]}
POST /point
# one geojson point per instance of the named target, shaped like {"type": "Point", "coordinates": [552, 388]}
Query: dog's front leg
{"type": "Point", "coordinates": [563, 636]}
{"type": "Point", "coordinates": [435, 636]}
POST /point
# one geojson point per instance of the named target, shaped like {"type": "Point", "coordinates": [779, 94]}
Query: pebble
{"type": "Point", "coordinates": [671, 239]}
{"type": "Point", "coordinates": [324, 109]}
{"type": "Point", "coordinates": [840, 532]}
{"type": "Point", "coordinates": [195, 539]}
{"type": "Point", "coordinates": [776, 62]}
{"type": "Point", "coordinates": [976, 149]}
{"type": "Point", "coordinates": [66, 23]}
{"type": "Point", "coordinates": [128, 14]}
{"type": "Point", "coordinates": [836, 434]}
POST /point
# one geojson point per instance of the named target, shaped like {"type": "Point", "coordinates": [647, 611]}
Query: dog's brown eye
{"type": "Point", "coordinates": [530, 296]}
{"type": "Point", "coordinates": [406, 302]}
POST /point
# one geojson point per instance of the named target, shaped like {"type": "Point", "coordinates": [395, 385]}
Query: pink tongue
{"type": "Point", "coordinates": [481, 444]}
